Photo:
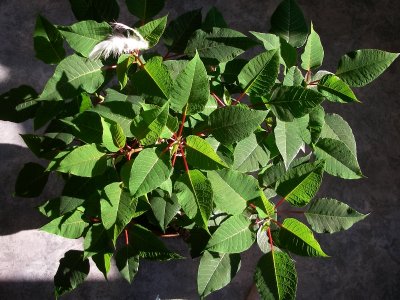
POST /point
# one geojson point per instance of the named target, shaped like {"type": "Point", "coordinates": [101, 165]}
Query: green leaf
{"type": "Point", "coordinates": [293, 77]}
{"type": "Point", "coordinates": [152, 31]}
{"type": "Point", "coordinates": [232, 124]}
{"type": "Point", "coordinates": [31, 180]}
{"type": "Point", "coordinates": [313, 54]}
{"type": "Point", "coordinates": [84, 161]}
{"type": "Point", "coordinates": [83, 36]}
{"type": "Point", "coordinates": [232, 190]}
{"type": "Point", "coordinates": [218, 46]}
{"type": "Point", "coordinates": [72, 271]}
{"type": "Point", "coordinates": [191, 88]}
{"type": "Point", "coordinates": [145, 9]}
{"type": "Point", "coordinates": [178, 32]}
{"type": "Point", "coordinates": [147, 172]}
{"type": "Point", "coordinates": [299, 239]}
{"type": "Point", "coordinates": [329, 216]}
{"type": "Point", "coordinates": [48, 42]}
{"type": "Point", "coordinates": [164, 209]}
{"type": "Point", "coordinates": [290, 102]}
{"type": "Point", "coordinates": [103, 262]}
{"type": "Point", "coordinates": [270, 41]}
{"type": "Point", "coordinates": [251, 154]}
{"type": "Point", "coordinates": [18, 104]}
{"type": "Point", "coordinates": [88, 127]}
{"type": "Point", "coordinates": [201, 155]}
{"type": "Point", "coordinates": [195, 195]}
{"type": "Point", "coordinates": [317, 121]}
{"type": "Point", "coordinates": [276, 276]}
{"type": "Point", "coordinates": [124, 63]}
{"type": "Point", "coordinates": [154, 78]}
{"type": "Point", "coordinates": [340, 161]}
{"type": "Point", "coordinates": [71, 225]}
{"type": "Point", "coordinates": [113, 136]}
{"type": "Point", "coordinates": [99, 10]}
{"type": "Point", "coordinates": [72, 75]}
{"type": "Point", "coordinates": [216, 270]}
{"type": "Point", "coordinates": [259, 75]}
{"type": "Point", "coordinates": [97, 241]}
{"type": "Point", "coordinates": [300, 184]}
{"type": "Point", "coordinates": [290, 136]}
{"type": "Point", "coordinates": [336, 90]}
{"type": "Point", "coordinates": [214, 18]}
{"type": "Point", "coordinates": [117, 209]}
{"type": "Point", "coordinates": [358, 68]}
{"type": "Point", "coordinates": [148, 126]}
{"type": "Point", "coordinates": [127, 261]}
{"type": "Point", "coordinates": [288, 22]}
{"type": "Point", "coordinates": [233, 236]}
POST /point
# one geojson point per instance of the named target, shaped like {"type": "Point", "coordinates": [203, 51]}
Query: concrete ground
{"type": "Point", "coordinates": [364, 263]}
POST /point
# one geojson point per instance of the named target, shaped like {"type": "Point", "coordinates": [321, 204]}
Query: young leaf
{"type": "Point", "coordinates": [358, 68]}
{"type": "Point", "coordinates": [313, 54]}
{"type": "Point", "coordinates": [113, 136]}
{"type": "Point", "coordinates": [99, 10]}
{"type": "Point", "coordinates": [234, 123]}
{"type": "Point", "coordinates": [83, 36]}
{"type": "Point", "coordinates": [72, 271]}
{"type": "Point", "coordinates": [152, 31]}
{"type": "Point", "coordinates": [84, 161]}
{"type": "Point", "coordinates": [201, 155]}
{"type": "Point", "coordinates": [263, 240]}
{"type": "Point", "coordinates": [195, 195]}
{"type": "Point", "coordinates": [300, 185]}
{"type": "Point", "coordinates": [233, 236]}
{"type": "Point", "coordinates": [276, 276]}
{"type": "Point", "coordinates": [259, 75]}
{"type": "Point", "coordinates": [251, 154]}
{"type": "Point", "coordinates": [290, 102]}
{"type": "Point", "coordinates": [71, 225]}
{"type": "Point", "coordinates": [31, 180]}
{"type": "Point", "coordinates": [191, 88]}
{"type": "Point", "coordinates": [336, 90]}
{"type": "Point", "coordinates": [216, 270]}
{"type": "Point", "coordinates": [164, 209]}
{"type": "Point", "coordinates": [288, 22]}
{"type": "Point", "coordinates": [293, 77]}
{"type": "Point", "coordinates": [124, 63]}
{"type": "Point", "coordinates": [299, 239]}
{"type": "Point", "coordinates": [340, 161]}
{"type": "Point", "coordinates": [214, 18]}
{"type": "Point", "coordinates": [232, 190]}
{"type": "Point", "coordinates": [127, 261]}
{"type": "Point", "coordinates": [329, 216]}
{"type": "Point", "coordinates": [145, 9]}
{"type": "Point", "coordinates": [48, 42]}
{"type": "Point", "coordinates": [72, 75]}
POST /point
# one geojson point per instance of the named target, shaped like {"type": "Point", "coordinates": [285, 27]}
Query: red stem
{"type": "Point", "coordinates": [182, 124]}
{"type": "Point", "coordinates": [184, 158]}
{"type": "Point", "coordinates": [270, 239]}
{"type": "Point", "coordinates": [218, 99]}
{"type": "Point", "coordinates": [174, 159]}
{"type": "Point", "coordinates": [240, 98]}
{"type": "Point", "coordinates": [279, 203]}
{"type": "Point", "coordinates": [277, 223]}
{"type": "Point", "coordinates": [126, 237]}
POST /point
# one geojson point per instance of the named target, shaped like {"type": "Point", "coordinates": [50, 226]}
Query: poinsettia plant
{"type": "Point", "coordinates": [163, 129]}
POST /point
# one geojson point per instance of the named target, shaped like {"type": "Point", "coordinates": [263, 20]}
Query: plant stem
{"type": "Point", "coordinates": [218, 99]}
{"type": "Point", "coordinates": [174, 158]}
{"type": "Point", "coordinates": [240, 98]}
{"type": "Point", "coordinates": [277, 223]}
{"type": "Point", "coordinates": [279, 203]}
{"type": "Point", "coordinates": [126, 237]}
{"type": "Point", "coordinates": [182, 123]}
{"type": "Point", "coordinates": [270, 239]}
{"type": "Point", "coordinates": [184, 158]}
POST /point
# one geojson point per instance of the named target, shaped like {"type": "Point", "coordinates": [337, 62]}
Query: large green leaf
{"type": "Point", "coordinates": [218, 46]}
{"type": "Point", "coordinates": [329, 215]}
{"type": "Point", "coordinates": [31, 180]}
{"type": "Point", "coordinates": [290, 136]}
{"type": "Point", "coordinates": [195, 195]}
{"type": "Point", "coordinates": [117, 209]}
{"type": "Point", "coordinates": [300, 184]}
{"type": "Point", "coordinates": [317, 122]}
{"type": "Point", "coordinates": [358, 68]}
{"type": "Point", "coordinates": [97, 241]}
{"type": "Point", "coordinates": [216, 270]}
{"type": "Point", "coordinates": [259, 75]}
{"type": "Point", "coordinates": [336, 90]}
{"type": "Point", "coordinates": [288, 22]}
{"type": "Point", "coordinates": [99, 10]}
{"type": "Point", "coordinates": [232, 236]}
{"type": "Point", "coordinates": [340, 161]}
{"type": "Point", "coordinates": [313, 54]}
{"type": "Point", "coordinates": [72, 75]}
{"type": "Point", "coordinates": [276, 276]}
{"type": "Point", "coordinates": [72, 271]}
{"type": "Point", "coordinates": [103, 262]}
{"type": "Point", "coordinates": [48, 42]}
{"type": "Point", "coordinates": [290, 102]}
{"type": "Point", "coordinates": [84, 161]}
{"type": "Point", "coordinates": [234, 123]}
{"type": "Point", "coordinates": [114, 138]}
{"type": "Point", "coordinates": [232, 190]}
{"type": "Point", "coordinates": [84, 35]}
{"type": "Point", "coordinates": [201, 155]}
{"type": "Point", "coordinates": [145, 9]}
{"type": "Point", "coordinates": [299, 239]}
{"type": "Point", "coordinates": [152, 31]}
{"type": "Point", "coordinates": [191, 89]}
{"type": "Point", "coordinates": [18, 104]}
{"type": "Point", "coordinates": [164, 208]}
{"type": "Point", "coordinates": [214, 18]}
{"type": "Point", "coordinates": [251, 154]}
{"type": "Point", "coordinates": [71, 225]}
{"type": "Point", "coordinates": [127, 261]}
{"type": "Point", "coordinates": [147, 172]}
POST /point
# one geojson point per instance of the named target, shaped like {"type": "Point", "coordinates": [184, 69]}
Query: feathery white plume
{"type": "Point", "coordinates": [117, 43]}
